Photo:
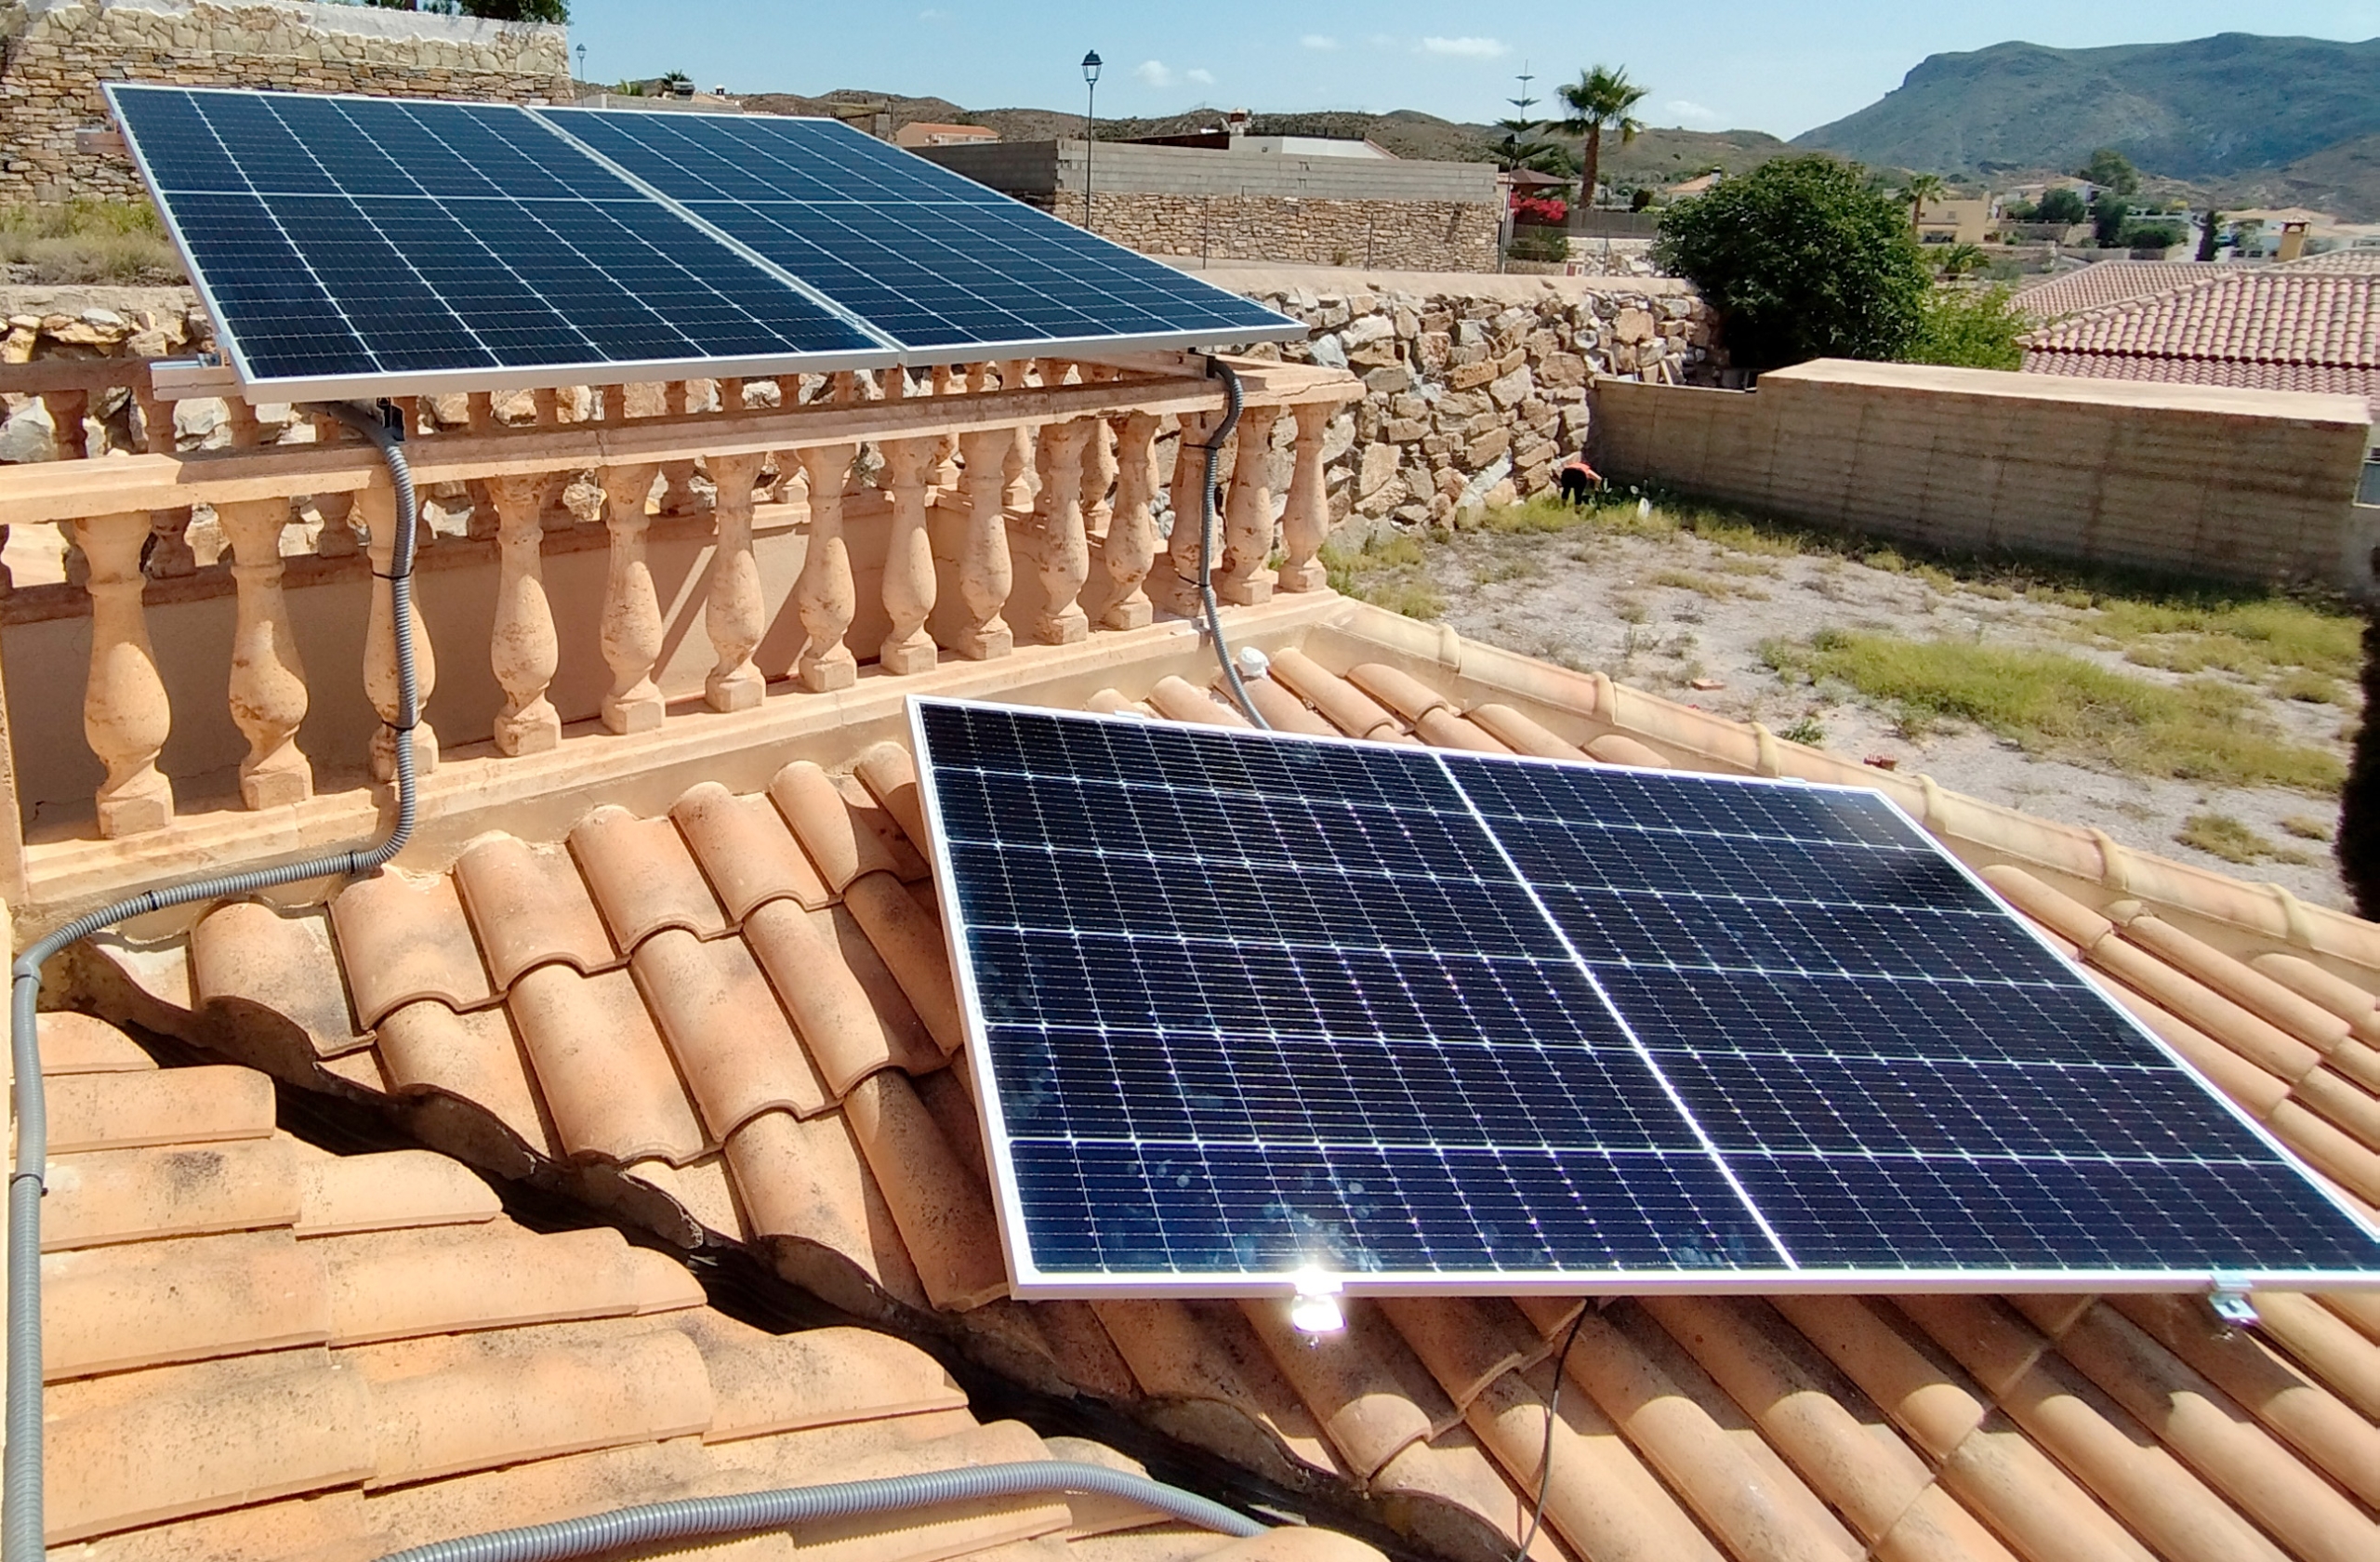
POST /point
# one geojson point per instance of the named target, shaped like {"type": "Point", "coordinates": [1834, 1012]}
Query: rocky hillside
{"type": "Point", "coordinates": [2228, 114]}
{"type": "Point", "coordinates": [1656, 157]}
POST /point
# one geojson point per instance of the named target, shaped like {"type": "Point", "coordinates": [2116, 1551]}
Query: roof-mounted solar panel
{"type": "Point", "coordinates": [1248, 1011]}
{"type": "Point", "coordinates": [349, 246]}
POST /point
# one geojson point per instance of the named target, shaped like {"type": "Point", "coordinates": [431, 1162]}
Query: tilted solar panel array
{"type": "Point", "coordinates": [1244, 1005]}
{"type": "Point", "coordinates": [352, 245]}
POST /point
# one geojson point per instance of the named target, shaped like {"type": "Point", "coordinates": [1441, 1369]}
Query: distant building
{"type": "Point", "coordinates": [1966, 222]}
{"type": "Point", "coordinates": [926, 133]}
{"type": "Point", "coordinates": [2107, 281]}
{"type": "Point", "coordinates": [1232, 135]}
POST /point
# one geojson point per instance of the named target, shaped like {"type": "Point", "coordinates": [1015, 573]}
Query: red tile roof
{"type": "Point", "coordinates": [737, 1023]}
{"type": "Point", "coordinates": [2278, 328]}
{"type": "Point", "coordinates": [2107, 281]}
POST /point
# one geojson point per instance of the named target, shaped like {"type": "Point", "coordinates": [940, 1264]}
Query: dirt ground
{"type": "Point", "coordinates": [1686, 617]}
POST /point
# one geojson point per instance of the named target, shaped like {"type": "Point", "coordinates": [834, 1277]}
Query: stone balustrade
{"type": "Point", "coordinates": [995, 508]}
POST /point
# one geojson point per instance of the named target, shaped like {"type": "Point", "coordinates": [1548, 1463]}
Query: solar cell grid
{"type": "Point", "coordinates": [1247, 1004]}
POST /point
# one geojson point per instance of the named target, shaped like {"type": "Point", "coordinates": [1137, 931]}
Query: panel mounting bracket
{"type": "Point", "coordinates": [2233, 1302]}
{"type": "Point", "coordinates": [207, 375]}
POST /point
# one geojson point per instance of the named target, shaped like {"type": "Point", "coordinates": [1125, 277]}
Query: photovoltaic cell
{"type": "Point", "coordinates": [347, 244]}
{"type": "Point", "coordinates": [1243, 1005]}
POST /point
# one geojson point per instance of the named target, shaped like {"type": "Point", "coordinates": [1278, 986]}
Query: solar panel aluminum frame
{"type": "Point", "coordinates": [1029, 1281]}
{"type": "Point", "coordinates": [334, 388]}
{"type": "Point", "coordinates": [547, 376]}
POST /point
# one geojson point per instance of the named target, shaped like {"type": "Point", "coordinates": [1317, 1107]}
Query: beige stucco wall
{"type": "Point", "coordinates": [1406, 236]}
{"type": "Point", "coordinates": [54, 54]}
{"type": "Point", "coordinates": [2246, 484]}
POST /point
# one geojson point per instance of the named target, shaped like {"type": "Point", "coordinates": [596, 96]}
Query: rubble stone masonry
{"type": "Point", "coordinates": [54, 54]}
{"type": "Point", "coordinates": [1408, 235]}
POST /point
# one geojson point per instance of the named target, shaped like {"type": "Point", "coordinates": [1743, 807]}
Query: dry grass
{"type": "Point", "coordinates": [1714, 587]}
{"type": "Point", "coordinates": [2063, 706]}
{"type": "Point", "coordinates": [2305, 826]}
{"type": "Point", "coordinates": [2220, 835]}
{"type": "Point", "coordinates": [118, 242]}
{"type": "Point", "coordinates": [1388, 572]}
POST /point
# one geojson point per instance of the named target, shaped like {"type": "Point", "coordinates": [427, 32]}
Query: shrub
{"type": "Point", "coordinates": [1550, 211]}
{"type": "Point", "coordinates": [1970, 327]}
{"type": "Point", "coordinates": [1803, 259]}
{"type": "Point", "coordinates": [1539, 244]}
{"type": "Point", "coordinates": [2062, 205]}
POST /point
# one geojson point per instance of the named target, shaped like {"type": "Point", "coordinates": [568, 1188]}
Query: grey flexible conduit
{"type": "Point", "coordinates": [1218, 369]}
{"type": "Point", "coordinates": [21, 1478]}
{"type": "Point", "coordinates": [692, 1518]}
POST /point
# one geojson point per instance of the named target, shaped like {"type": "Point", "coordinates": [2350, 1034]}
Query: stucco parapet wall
{"type": "Point", "coordinates": [248, 27]}
{"type": "Point", "coordinates": [1046, 167]}
{"type": "Point", "coordinates": [2301, 405]}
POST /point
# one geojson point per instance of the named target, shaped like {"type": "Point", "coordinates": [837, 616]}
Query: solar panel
{"type": "Point", "coordinates": [368, 244]}
{"type": "Point", "coordinates": [929, 256]}
{"type": "Point", "coordinates": [1247, 1005]}
{"type": "Point", "coordinates": [353, 244]}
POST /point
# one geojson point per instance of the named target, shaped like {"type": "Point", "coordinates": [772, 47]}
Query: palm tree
{"type": "Point", "coordinates": [1920, 189]}
{"type": "Point", "coordinates": [1599, 100]}
{"type": "Point", "coordinates": [1960, 259]}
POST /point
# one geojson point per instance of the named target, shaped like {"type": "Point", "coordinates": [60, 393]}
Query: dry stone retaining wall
{"type": "Point", "coordinates": [1476, 395]}
{"type": "Point", "coordinates": [54, 54]}
{"type": "Point", "coordinates": [1416, 236]}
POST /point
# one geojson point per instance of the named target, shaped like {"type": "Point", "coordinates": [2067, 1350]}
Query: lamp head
{"type": "Point", "coordinates": [1091, 64]}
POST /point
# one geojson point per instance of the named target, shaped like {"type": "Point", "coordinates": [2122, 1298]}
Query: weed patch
{"type": "Point", "coordinates": [1711, 586]}
{"type": "Point", "coordinates": [2056, 705]}
{"type": "Point", "coordinates": [2220, 835]}
{"type": "Point", "coordinates": [121, 242]}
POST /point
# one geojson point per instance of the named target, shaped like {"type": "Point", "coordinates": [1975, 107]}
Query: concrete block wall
{"type": "Point", "coordinates": [2239, 484]}
{"type": "Point", "coordinates": [54, 54]}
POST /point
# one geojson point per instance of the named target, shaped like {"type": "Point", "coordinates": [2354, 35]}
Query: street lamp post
{"type": "Point", "coordinates": [1091, 63]}
{"type": "Point", "coordinates": [582, 62]}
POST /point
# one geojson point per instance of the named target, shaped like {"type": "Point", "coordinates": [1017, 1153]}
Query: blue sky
{"type": "Point", "coordinates": [1783, 66]}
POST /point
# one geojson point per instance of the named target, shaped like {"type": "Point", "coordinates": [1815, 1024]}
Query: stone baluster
{"type": "Point", "coordinates": [791, 485]}
{"type": "Point", "coordinates": [125, 716]}
{"type": "Point", "coordinates": [1306, 524]}
{"type": "Point", "coordinates": [555, 513]}
{"type": "Point", "coordinates": [1016, 467]}
{"type": "Point", "coordinates": [1176, 586]}
{"type": "Point", "coordinates": [336, 540]}
{"type": "Point", "coordinates": [679, 496]}
{"type": "Point", "coordinates": [908, 560]}
{"type": "Point", "coordinates": [378, 506]}
{"type": "Point", "coordinates": [482, 420]}
{"type": "Point", "coordinates": [1117, 599]}
{"type": "Point", "coordinates": [1248, 515]}
{"type": "Point", "coordinates": [631, 626]}
{"type": "Point", "coordinates": [944, 380]}
{"type": "Point", "coordinates": [169, 554]}
{"type": "Point", "coordinates": [1054, 538]}
{"type": "Point", "coordinates": [268, 688]}
{"type": "Point", "coordinates": [985, 573]}
{"type": "Point", "coordinates": [1099, 472]}
{"type": "Point", "coordinates": [522, 648]}
{"type": "Point", "coordinates": [67, 410]}
{"type": "Point", "coordinates": [822, 592]}
{"type": "Point", "coordinates": [734, 614]}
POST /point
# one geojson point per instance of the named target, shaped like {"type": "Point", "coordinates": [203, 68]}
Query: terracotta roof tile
{"type": "Point", "coordinates": [839, 840]}
{"type": "Point", "coordinates": [806, 955]}
{"type": "Point", "coordinates": [805, 1185]}
{"type": "Point", "coordinates": [280, 962]}
{"type": "Point", "coordinates": [2256, 317]}
{"type": "Point", "coordinates": [206, 1402]}
{"type": "Point", "coordinates": [169, 1107]}
{"type": "Point", "coordinates": [403, 938]}
{"type": "Point", "coordinates": [644, 877]}
{"type": "Point", "coordinates": [942, 1205]}
{"type": "Point", "coordinates": [601, 1067]}
{"type": "Point", "coordinates": [890, 777]}
{"type": "Point", "coordinates": [476, 1057]}
{"type": "Point", "coordinates": [529, 905]}
{"type": "Point", "coordinates": [733, 1045]}
{"type": "Point", "coordinates": [73, 1043]}
{"type": "Point", "coordinates": [746, 851]}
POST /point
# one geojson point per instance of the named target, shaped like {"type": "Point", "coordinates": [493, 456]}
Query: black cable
{"type": "Point", "coordinates": [1545, 1461]}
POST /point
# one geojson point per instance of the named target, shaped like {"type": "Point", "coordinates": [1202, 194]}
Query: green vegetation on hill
{"type": "Point", "coordinates": [2222, 111]}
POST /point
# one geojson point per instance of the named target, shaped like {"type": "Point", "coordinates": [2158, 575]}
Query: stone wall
{"type": "Point", "coordinates": [1412, 235]}
{"type": "Point", "coordinates": [54, 54]}
{"type": "Point", "coordinates": [1477, 389]}
{"type": "Point", "coordinates": [2192, 479]}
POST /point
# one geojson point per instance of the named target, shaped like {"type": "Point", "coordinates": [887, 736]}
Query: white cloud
{"type": "Point", "coordinates": [1693, 113]}
{"type": "Point", "coordinates": [1155, 73]}
{"type": "Point", "coordinates": [1318, 41]}
{"type": "Point", "coordinates": [1467, 49]}
{"type": "Point", "coordinates": [1204, 79]}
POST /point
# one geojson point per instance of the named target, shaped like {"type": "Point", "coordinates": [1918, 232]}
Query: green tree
{"type": "Point", "coordinates": [1802, 259]}
{"type": "Point", "coordinates": [1920, 189]}
{"type": "Point", "coordinates": [1969, 327]}
{"type": "Point", "coordinates": [2109, 214]}
{"type": "Point", "coordinates": [1960, 259]}
{"type": "Point", "coordinates": [2110, 169]}
{"type": "Point", "coordinates": [2063, 206]}
{"type": "Point", "coordinates": [1599, 100]}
